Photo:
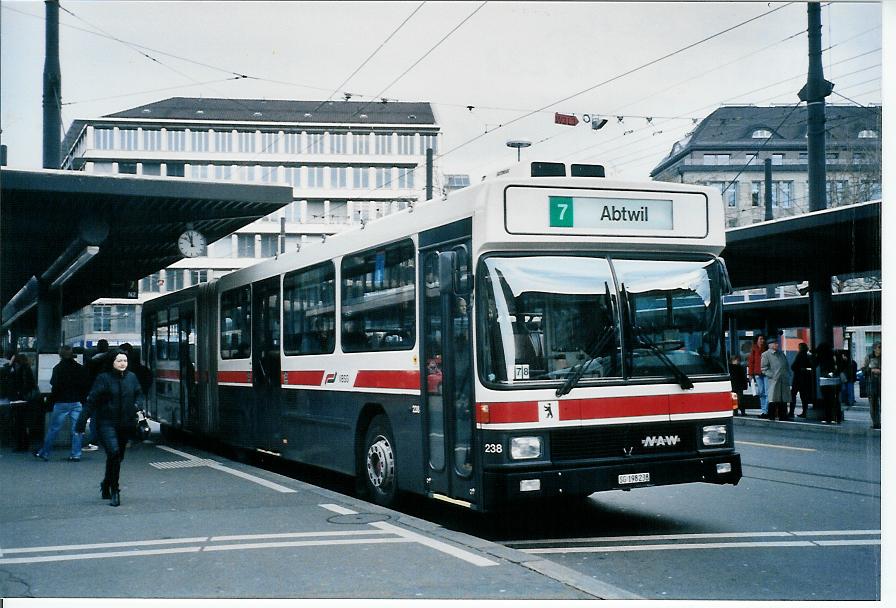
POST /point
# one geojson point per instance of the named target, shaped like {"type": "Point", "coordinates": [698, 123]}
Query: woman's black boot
{"type": "Point", "coordinates": [116, 499]}
{"type": "Point", "coordinates": [104, 490]}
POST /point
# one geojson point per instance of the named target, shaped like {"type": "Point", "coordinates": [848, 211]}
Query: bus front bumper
{"type": "Point", "coordinates": [514, 485]}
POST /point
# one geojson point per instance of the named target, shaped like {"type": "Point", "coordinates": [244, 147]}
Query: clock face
{"type": "Point", "coordinates": [191, 243]}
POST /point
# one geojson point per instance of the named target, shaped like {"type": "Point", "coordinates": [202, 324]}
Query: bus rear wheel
{"type": "Point", "coordinates": [379, 462]}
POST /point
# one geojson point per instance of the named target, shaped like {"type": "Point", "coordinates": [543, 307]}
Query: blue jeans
{"type": "Point", "coordinates": [763, 393]}
{"type": "Point", "coordinates": [848, 394]}
{"type": "Point", "coordinates": [60, 411]}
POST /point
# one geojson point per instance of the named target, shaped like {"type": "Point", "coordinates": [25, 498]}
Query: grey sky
{"type": "Point", "coordinates": [507, 60]}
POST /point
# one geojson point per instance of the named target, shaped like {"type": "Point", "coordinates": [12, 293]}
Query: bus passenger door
{"type": "Point", "coordinates": [446, 379]}
{"type": "Point", "coordinates": [187, 366]}
{"type": "Point", "coordinates": [266, 362]}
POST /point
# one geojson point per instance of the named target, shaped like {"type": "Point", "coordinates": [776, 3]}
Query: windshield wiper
{"type": "Point", "coordinates": [593, 352]}
{"type": "Point", "coordinates": [682, 378]}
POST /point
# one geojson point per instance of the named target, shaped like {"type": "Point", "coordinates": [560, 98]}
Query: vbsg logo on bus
{"type": "Point", "coordinates": [609, 213]}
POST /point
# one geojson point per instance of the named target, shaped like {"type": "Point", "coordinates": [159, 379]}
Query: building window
{"type": "Point", "coordinates": [315, 177]}
{"type": "Point", "coordinates": [177, 141]}
{"type": "Point", "coordinates": [309, 311]}
{"type": "Point", "coordinates": [406, 178]}
{"type": "Point", "coordinates": [837, 192]}
{"type": "Point", "coordinates": [777, 159]}
{"type": "Point", "coordinates": [405, 144]}
{"type": "Point", "coordinates": [223, 141]}
{"type": "Point", "coordinates": [245, 245]}
{"type": "Point", "coordinates": [128, 139]}
{"type": "Point", "coordinates": [102, 318]}
{"type": "Point", "coordinates": [293, 176]}
{"type": "Point", "coordinates": [199, 171]}
{"type": "Point", "coordinates": [761, 134]}
{"type": "Point", "coordinates": [338, 177]}
{"type": "Point", "coordinates": [756, 193]}
{"type": "Point", "coordinates": [383, 177]}
{"type": "Point", "coordinates": [104, 167]}
{"type": "Point", "coordinates": [198, 276]}
{"type": "Point", "coordinates": [246, 141]}
{"type": "Point", "coordinates": [268, 174]}
{"type": "Point", "coordinates": [716, 159]}
{"type": "Point", "coordinates": [729, 194]}
{"type": "Point", "coordinates": [337, 143]}
{"type": "Point", "coordinates": [269, 142]}
{"type": "Point", "coordinates": [361, 177]}
{"type": "Point", "coordinates": [175, 169]}
{"type": "Point", "coordinates": [383, 143]}
{"type": "Point", "coordinates": [126, 319]}
{"type": "Point", "coordinates": [831, 157]}
{"type": "Point", "coordinates": [360, 143]}
{"type": "Point", "coordinates": [428, 141]}
{"type": "Point", "coordinates": [152, 168]}
{"type": "Point", "coordinates": [316, 143]}
{"type": "Point", "coordinates": [151, 284]}
{"type": "Point", "coordinates": [293, 142]}
{"type": "Point", "coordinates": [868, 134]}
{"type": "Point", "coordinates": [174, 279]}
{"type": "Point", "coordinates": [248, 172]}
{"type": "Point", "coordinates": [199, 140]}
{"type": "Point", "coordinates": [152, 139]}
{"type": "Point", "coordinates": [268, 245]}
{"type": "Point", "coordinates": [859, 157]}
{"type": "Point", "coordinates": [222, 248]}
{"type": "Point", "coordinates": [222, 171]}
{"type": "Point", "coordinates": [128, 168]}
{"type": "Point", "coordinates": [104, 139]}
{"type": "Point", "coordinates": [804, 157]}
{"type": "Point", "coordinates": [782, 194]}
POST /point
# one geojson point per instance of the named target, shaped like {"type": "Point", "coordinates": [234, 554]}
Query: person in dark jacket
{"type": "Point", "coordinates": [23, 401]}
{"type": "Point", "coordinates": [113, 402]}
{"type": "Point", "coordinates": [739, 382]}
{"type": "Point", "coordinates": [69, 382]}
{"type": "Point", "coordinates": [803, 380]}
{"type": "Point", "coordinates": [829, 383]}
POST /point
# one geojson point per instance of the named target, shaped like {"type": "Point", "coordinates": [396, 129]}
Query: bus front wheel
{"type": "Point", "coordinates": [379, 462]}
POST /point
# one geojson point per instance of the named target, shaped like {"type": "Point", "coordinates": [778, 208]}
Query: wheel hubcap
{"type": "Point", "coordinates": [380, 463]}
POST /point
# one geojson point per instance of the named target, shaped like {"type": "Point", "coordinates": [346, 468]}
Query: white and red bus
{"type": "Point", "coordinates": [540, 334]}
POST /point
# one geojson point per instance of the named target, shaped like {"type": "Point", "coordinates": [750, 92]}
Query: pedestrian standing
{"type": "Point", "coordinates": [738, 382]}
{"type": "Point", "coordinates": [777, 373]}
{"type": "Point", "coordinates": [848, 372]}
{"type": "Point", "coordinates": [871, 371]}
{"type": "Point", "coordinates": [829, 383]}
{"type": "Point", "coordinates": [24, 403]}
{"type": "Point", "coordinates": [114, 401]}
{"type": "Point", "coordinates": [69, 386]}
{"type": "Point", "coordinates": [803, 380]}
{"type": "Point", "coordinates": [754, 366]}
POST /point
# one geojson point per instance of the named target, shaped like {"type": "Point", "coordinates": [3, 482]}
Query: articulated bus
{"type": "Point", "coordinates": [544, 333]}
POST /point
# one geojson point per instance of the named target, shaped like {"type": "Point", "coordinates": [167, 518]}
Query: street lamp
{"type": "Point", "coordinates": [518, 143]}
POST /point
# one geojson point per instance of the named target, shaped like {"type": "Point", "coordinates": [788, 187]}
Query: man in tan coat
{"type": "Point", "coordinates": [777, 373]}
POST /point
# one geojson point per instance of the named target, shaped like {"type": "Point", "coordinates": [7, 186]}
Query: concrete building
{"type": "Point", "coordinates": [347, 161]}
{"type": "Point", "coordinates": [729, 147]}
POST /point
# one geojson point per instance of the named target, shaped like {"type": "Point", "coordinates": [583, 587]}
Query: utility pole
{"type": "Point", "coordinates": [813, 93]}
{"type": "Point", "coordinates": [52, 101]}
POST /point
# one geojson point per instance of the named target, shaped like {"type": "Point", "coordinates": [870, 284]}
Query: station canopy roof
{"type": "Point", "coordinates": [48, 218]}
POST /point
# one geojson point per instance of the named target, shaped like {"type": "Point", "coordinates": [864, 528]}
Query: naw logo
{"type": "Point", "coordinates": [330, 378]}
{"type": "Point", "coordinates": [654, 441]}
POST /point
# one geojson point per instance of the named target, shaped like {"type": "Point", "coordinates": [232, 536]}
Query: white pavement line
{"type": "Point", "coordinates": [774, 445]}
{"type": "Point", "coordinates": [103, 555]}
{"type": "Point", "coordinates": [338, 509]}
{"type": "Point", "coordinates": [694, 536]}
{"type": "Point", "coordinates": [305, 543]}
{"type": "Point", "coordinates": [216, 539]}
{"type": "Point", "coordinates": [467, 556]}
{"type": "Point", "coordinates": [855, 541]}
{"type": "Point", "coordinates": [220, 467]}
{"type": "Point", "coordinates": [133, 543]}
{"type": "Point", "coordinates": [181, 464]}
{"type": "Point", "coordinates": [669, 547]}
{"type": "Point", "coordinates": [835, 532]}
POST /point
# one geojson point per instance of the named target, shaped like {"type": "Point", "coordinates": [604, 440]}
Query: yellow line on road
{"type": "Point", "coordinates": [772, 445]}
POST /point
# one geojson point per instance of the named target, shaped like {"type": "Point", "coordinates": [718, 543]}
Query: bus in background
{"type": "Point", "coordinates": [547, 332]}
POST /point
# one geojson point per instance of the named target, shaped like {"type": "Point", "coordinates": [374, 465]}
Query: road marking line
{"type": "Point", "coordinates": [438, 545]}
{"type": "Point", "coordinates": [78, 556]}
{"type": "Point", "coordinates": [134, 543]}
{"type": "Point", "coordinates": [212, 464]}
{"type": "Point", "coordinates": [652, 537]}
{"type": "Point", "coordinates": [295, 535]}
{"type": "Point", "coordinates": [623, 548]}
{"type": "Point", "coordinates": [773, 445]}
{"type": "Point", "coordinates": [304, 543]}
{"type": "Point", "coordinates": [834, 543]}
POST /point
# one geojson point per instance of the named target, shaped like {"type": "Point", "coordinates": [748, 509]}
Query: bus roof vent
{"type": "Point", "coordinates": [587, 171]}
{"type": "Point", "coordinates": [542, 169]}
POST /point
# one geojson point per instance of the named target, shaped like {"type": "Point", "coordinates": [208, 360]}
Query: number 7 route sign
{"type": "Point", "coordinates": [561, 211]}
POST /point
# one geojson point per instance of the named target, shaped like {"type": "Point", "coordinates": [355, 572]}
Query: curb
{"type": "Point", "coordinates": [851, 428]}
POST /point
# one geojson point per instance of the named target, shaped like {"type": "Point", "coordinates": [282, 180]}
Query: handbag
{"type": "Point", "coordinates": [141, 429]}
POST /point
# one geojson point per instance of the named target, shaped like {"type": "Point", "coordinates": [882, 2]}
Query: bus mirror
{"type": "Point", "coordinates": [463, 283]}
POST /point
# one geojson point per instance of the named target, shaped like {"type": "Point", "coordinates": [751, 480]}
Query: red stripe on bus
{"type": "Point", "coordinates": [403, 379]}
{"type": "Point", "coordinates": [614, 407]}
{"type": "Point", "coordinates": [699, 402]}
{"type": "Point", "coordinates": [502, 413]}
{"type": "Point", "coordinates": [169, 374]}
{"type": "Point", "coordinates": [241, 377]}
{"type": "Point", "coordinates": [303, 378]}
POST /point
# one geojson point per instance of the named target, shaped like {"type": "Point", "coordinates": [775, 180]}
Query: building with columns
{"type": "Point", "coordinates": [347, 162]}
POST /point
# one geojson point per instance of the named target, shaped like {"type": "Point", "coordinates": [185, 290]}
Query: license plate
{"type": "Point", "coordinates": [634, 478]}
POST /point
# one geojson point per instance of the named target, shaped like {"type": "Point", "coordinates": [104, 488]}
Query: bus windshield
{"type": "Point", "coordinates": [547, 318]}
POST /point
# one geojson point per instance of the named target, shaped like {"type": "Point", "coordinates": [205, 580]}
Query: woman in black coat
{"type": "Point", "coordinates": [113, 402]}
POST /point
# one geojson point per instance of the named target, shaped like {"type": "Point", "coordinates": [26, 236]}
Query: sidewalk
{"type": "Point", "coordinates": [856, 420]}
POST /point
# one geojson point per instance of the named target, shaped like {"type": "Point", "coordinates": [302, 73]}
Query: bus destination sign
{"type": "Point", "coordinates": [609, 213]}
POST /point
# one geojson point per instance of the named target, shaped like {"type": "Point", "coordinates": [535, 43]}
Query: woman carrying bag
{"type": "Point", "coordinates": [113, 402]}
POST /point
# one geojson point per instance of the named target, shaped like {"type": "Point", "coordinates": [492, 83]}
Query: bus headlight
{"type": "Point", "coordinates": [716, 434]}
{"type": "Point", "coordinates": [522, 448]}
